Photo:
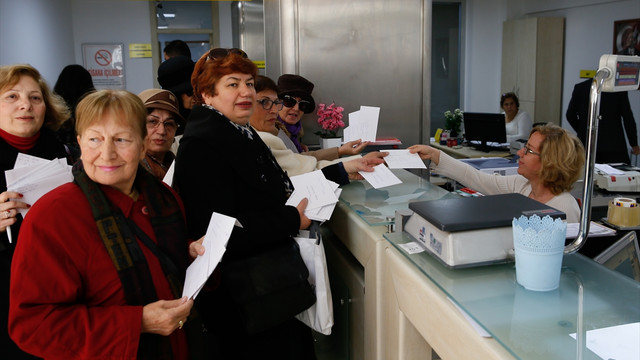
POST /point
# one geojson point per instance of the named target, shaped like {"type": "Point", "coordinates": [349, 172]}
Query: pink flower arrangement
{"type": "Point", "coordinates": [330, 118]}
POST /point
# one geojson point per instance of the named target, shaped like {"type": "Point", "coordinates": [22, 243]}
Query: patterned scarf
{"type": "Point", "coordinates": [120, 242]}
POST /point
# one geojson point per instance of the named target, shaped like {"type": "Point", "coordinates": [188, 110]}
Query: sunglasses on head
{"type": "Point", "coordinates": [304, 105]}
{"type": "Point", "coordinates": [219, 53]}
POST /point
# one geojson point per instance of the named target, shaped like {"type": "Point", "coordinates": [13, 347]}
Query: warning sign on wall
{"type": "Point", "coordinates": [105, 63]}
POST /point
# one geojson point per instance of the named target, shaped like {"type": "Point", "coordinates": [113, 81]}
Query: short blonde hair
{"type": "Point", "coordinates": [56, 112]}
{"type": "Point", "coordinates": [562, 156]}
{"type": "Point", "coordinates": [94, 106]}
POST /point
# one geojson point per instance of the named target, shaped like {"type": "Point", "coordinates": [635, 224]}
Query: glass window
{"type": "Point", "coordinates": [184, 15]}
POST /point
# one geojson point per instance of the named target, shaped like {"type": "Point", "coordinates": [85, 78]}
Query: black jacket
{"type": "Point", "coordinates": [615, 111]}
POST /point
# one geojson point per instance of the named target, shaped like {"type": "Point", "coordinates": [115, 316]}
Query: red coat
{"type": "Point", "coordinates": [67, 301]}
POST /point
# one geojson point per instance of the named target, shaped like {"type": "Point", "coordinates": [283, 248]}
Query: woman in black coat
{"type": "Point", "coordinates": [222, 165]}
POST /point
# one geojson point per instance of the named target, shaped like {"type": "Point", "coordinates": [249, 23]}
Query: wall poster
{"type": "Point", "coordinates": [105, 63]}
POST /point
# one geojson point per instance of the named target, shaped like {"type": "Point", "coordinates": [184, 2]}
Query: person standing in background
{"type": "Point", "coordinates": [163, 120]}
{"type": "Point", "coordinates": [176, 48]}
{"type": "Point", "coordinates": [175, 75]}
{"type": "Point", "coordinates": [73, 83]}
{"type": "Point", "coordinates": [518, 123]}
{"type": "Point", "coordinates": [615, 113]}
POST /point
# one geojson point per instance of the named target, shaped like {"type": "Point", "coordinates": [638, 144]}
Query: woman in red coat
{"type": "Point", "coordinates": [98, 269]}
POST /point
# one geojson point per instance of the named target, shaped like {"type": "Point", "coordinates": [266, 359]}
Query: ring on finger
{"type": "Point", "coordinates": [7, 214]}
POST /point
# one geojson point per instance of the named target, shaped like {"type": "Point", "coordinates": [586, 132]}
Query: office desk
{"type": "Point", "coordinates": [523, 324]}
{"type": "Point", "coordinates": [466, 152]}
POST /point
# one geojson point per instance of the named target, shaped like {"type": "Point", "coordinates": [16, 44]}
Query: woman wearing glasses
{"type": "Point", "coordinates": [163, 121]}
{"type": "Point", "coordinates": [295, 94]}
{"type": "Point", "coordinates": [548, 166]}
{"type": "Point", "coordinates": [223, 166]}
{"type": "Point", "coordinates": [264, 121]}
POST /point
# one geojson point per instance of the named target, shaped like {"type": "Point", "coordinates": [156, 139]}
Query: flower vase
{"type": "Point", "coordinates": [326, 143]}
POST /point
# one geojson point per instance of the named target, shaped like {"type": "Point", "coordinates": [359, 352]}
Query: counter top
{"type": "Point", "coordinates": [591, 300]}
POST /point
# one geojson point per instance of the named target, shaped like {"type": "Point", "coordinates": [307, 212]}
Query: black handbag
{"type": "Point", "coordinates": [269, 288]}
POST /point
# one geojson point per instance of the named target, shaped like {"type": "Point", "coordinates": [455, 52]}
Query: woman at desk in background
{"type": "Point", "coordinates": [518, 122]}
{"type": "Point", "coordinates": [548, 166]}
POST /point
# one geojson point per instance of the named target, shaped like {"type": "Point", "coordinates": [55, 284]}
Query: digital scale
{"type": "Point", "coordinates": [470, 231]}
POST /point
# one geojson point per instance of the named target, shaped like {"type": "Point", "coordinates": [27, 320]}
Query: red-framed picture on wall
{"type": "Point", "coordinates": [626, 37]}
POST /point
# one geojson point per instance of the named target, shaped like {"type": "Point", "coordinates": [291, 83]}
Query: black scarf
{"type": "Point", "coordinates": [118, 236]}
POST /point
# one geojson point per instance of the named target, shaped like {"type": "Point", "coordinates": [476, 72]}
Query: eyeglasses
{"type": "Point", "coordinates": [527, 150]}
{"type": "Point", "coordinates": [267, 104]}
{"type": "Point", "coordinates": [219, 53]}
{"type": "Point", "coordinates": [169, 125]}
{"type": "Point", "coordinates": [303, 105]}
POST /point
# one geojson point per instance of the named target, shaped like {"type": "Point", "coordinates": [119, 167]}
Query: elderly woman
{"type": "Point", "coordinates": [264, 120]}
{"type": "Point", "coordinates": [518, 123]}
{"type": "Point", "coordinates": [244, 182]}
{"type": "Point", "coordinates": [295, 93]}
{"type": "Point", "coordinates": [548, 166]}
{"type": "Point", "coordinates": [102, 278]}
{"type": "Point", "coordinates": [163, 121]}
{"type": "Point", "coordinates": [29, 115]}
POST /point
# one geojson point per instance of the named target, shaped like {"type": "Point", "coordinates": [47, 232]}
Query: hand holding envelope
{"type": "Point", "coordinates": [215, 245]}
{"type": "Point", "coordinates": [322, 194]}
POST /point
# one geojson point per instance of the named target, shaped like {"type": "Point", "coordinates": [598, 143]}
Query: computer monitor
{"type": "Point", "coordinates": [483, 128]}
{"type": "Point", "coordinates": [623, 256]}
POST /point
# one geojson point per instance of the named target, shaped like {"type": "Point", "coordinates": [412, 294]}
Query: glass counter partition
{"type": "Point", "coordinates": [378, 206]}
{"type": "Point", "coordinates": [594, 314]}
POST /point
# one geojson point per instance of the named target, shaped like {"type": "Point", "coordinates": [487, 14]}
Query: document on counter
{"type": "Point", "coordinates": [380, 177]}
{"type": "Point", "coordinates": [215, 245]}
{"type": "Point", "coordinates": [363, 124]}
{"type": "Point", "coordinates": [403, 159]}
{"type": "Point", "coordinates": [595, 230]}
{"type": "Point", "coordinates": [608, 169]}
{"type": "Point", "coordinates": [34, 177]}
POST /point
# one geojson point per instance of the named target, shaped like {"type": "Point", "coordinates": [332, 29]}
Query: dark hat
{"type": "Point", "coordinates": [174, 74]}
{"type": "Point", "coordinates": [297, 86]}
{"type": "Point", "coordinates": [162, 99]}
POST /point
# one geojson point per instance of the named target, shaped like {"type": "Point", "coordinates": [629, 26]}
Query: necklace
{"type": "Point", "coordinates": [157, 162]}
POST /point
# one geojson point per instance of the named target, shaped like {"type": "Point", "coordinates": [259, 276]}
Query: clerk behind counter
{"type": "Point", "coordinates": [549, 165]}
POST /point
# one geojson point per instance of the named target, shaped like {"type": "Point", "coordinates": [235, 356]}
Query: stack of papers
{"type": "Point", "coordinates": [323, 194]}
{"type": "Point", "coordinates": [33, 177]}
{"type": "Point", "coordinates": [215, 245]}
{"type": "Point", "coordinates": [363, 124]}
